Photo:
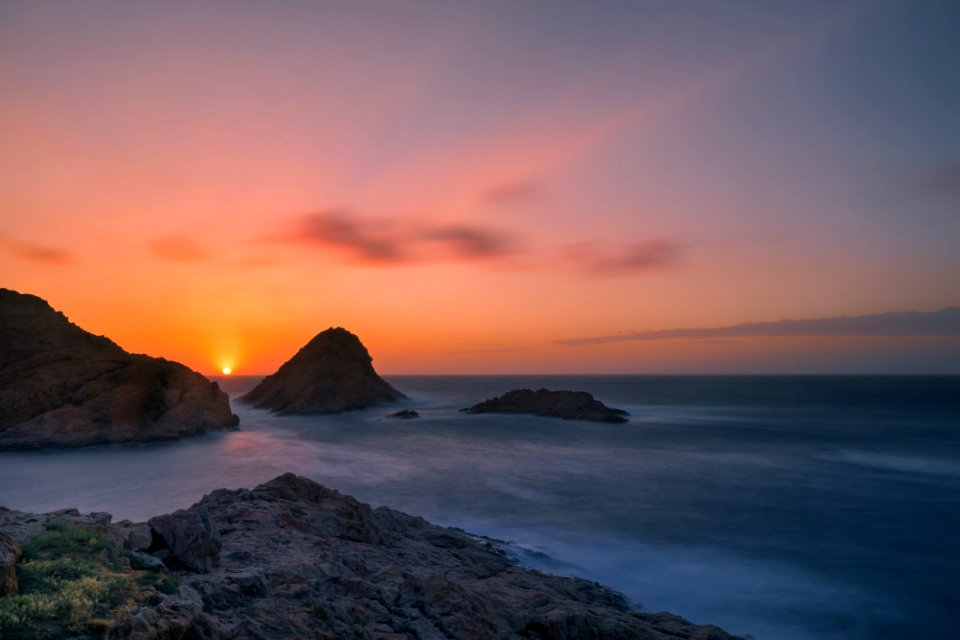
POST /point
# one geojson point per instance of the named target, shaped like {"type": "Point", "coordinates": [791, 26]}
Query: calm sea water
{"type": "Point", "coordinates": [783, 508]}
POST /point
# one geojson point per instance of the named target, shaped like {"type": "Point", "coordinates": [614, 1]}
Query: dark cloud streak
{"type": "Point", "coordinates": [945, 322]}
{"type": "Point", "coordinates": [385, 242]}
{"type": "Point", "coordinates": [369, 240]}
{"type": "Point", "coordinates": [470, 241]}
{"type": "Point", "coordinates": [649, 255]}
{"type": "Point", "coordinates": [37, 253]}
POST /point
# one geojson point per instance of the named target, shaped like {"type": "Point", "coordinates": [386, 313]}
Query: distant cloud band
{"type": "Point", "coordinates": [945, 322]}
{"type": "Point", "coordinates": [391, 242]}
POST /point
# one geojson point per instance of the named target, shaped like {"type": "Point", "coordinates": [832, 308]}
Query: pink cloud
{"type": "Point", "coordinates": [387, 242]}
{"type": "Point", "coordinates": [648, 255]}
{"type": "Point", "coordinates": [374, 240]}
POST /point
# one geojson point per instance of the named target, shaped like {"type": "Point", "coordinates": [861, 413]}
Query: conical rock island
{"type": "Point", "coordinates": [61, 386]}
{"type": "Point", "coordinates": [332, 373]}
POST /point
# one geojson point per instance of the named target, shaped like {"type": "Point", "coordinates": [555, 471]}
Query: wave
{"type": "Point", "coordinates": [903, 464]}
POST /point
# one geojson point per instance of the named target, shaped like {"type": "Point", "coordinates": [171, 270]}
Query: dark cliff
{"type": "Point", "coordinates": [61, 386]}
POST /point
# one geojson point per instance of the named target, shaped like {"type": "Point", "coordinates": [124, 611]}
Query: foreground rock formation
{"type": "Point", "coordinates": [292, 559]}
{"type": "Point", "coordinates": [569, 405]}
{"type": "Point", "coordinates": [61, 386]}
{"type": "Point", "coordinates": [332, 373]}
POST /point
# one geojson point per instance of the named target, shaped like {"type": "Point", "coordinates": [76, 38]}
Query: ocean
{"type": "Point", "coordinates": [778, 507]}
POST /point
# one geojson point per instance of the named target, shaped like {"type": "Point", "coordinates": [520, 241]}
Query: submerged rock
{"type": "Point", "coordinates": [404, 414]}
{"type": "Point", "coordinates": [332, 373]}
{"type": "Point", "coordinates": [61, 386]}
{"type": "Point", "coordinates": [569, 405]}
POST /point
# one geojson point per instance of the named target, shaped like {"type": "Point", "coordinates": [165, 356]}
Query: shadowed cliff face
{"type": "Point", "coordinates": [61, 386]}
{"type": "Point", "coordinates": [332, 373]}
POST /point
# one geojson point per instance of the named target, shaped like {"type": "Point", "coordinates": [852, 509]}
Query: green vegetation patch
{"type": "Point", "coordinates": [75, 578]}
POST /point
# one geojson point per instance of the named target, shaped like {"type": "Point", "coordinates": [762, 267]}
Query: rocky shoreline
{"type": "Point", "coordinates": [293, 559]}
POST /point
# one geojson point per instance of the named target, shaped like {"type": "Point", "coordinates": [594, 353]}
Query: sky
{"type": "Point", "coordinates": [491, 187]}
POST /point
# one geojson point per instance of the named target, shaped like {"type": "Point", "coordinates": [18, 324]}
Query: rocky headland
{"type": "Point", "coordinates": [569, 405]}
{"type": "Point", "coordinates": [293, 559]}
{"type": "Point", "coordinates": [61, 386]}
{"type": "Point", "coordinates": [332, 373]}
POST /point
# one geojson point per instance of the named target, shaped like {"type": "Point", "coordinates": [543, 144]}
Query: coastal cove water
{"type": "Point", "coordinates": [782, 508]}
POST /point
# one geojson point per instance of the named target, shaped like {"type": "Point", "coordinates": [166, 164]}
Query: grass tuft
{"type": "Point", "coordinates": [74, 578]}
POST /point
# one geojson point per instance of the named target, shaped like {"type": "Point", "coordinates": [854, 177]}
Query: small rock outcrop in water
{"type": "Point", "coordinates": [61, 386]}
{"type": "Point", "coordinates": [332, 373]}
{"type": "Point", "coordinates": [404, 414]}
{"type": "Point", "coordinates": [569, 405]}
{"type": "Point", "coordinates": [298, 560]}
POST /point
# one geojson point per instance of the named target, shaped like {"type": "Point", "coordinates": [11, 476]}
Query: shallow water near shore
{"type": "Point", "coordinates": [783, 508]}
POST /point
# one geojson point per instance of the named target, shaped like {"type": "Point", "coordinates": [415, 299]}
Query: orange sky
{"type": "Point", "coordinates": [464, 186]}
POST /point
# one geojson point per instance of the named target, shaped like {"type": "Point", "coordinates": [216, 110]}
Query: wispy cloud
{"type": "Point", "coordinates": [389, 242]}
{"type": "Point", "coordinates": [374, 240]}
{"type": "Point", "coordinates": [513, 192]}
{"type": "Point", "coordinates": [177, 248]}
{"type": "Point", "coordinates": [945, 322]}
{"type": "Point", "coordinates": [37, 253]}
{"type": "Point", "coordinates": [648, 255]}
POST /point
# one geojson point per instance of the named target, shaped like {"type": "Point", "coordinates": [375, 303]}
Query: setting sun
{"type": "Point", "coordinates": [227, 371]}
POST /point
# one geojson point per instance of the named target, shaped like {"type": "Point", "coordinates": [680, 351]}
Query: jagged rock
{"type": "Point", "coordinates": [191, 537]}
{"type": "Point", "coordinates": [140, 560]}
{"type": "Point", "coordinates": [61, 386]}
{"type": "Point", "coordinates": [138, 537]}
{"type": "Point", "coordinates": [334, 567]}
{"type": "Point", "coordinates": [404, 414]}
{"type": "Point", "coordinates": [9, 554]}
{"type": "Point", "coordinates": [101, 517]}
{"type": "Point", "coordinates": [168, 619]}
{"type": "Point", "coordinates": [569, 405]}
{"type": "Point", "coordinates": [303, 561]}
{"type": "Point", "coordinates": [332, 373]}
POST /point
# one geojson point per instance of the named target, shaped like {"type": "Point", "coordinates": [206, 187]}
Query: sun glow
{"type": "Point", "coordinates": [227, 371]}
